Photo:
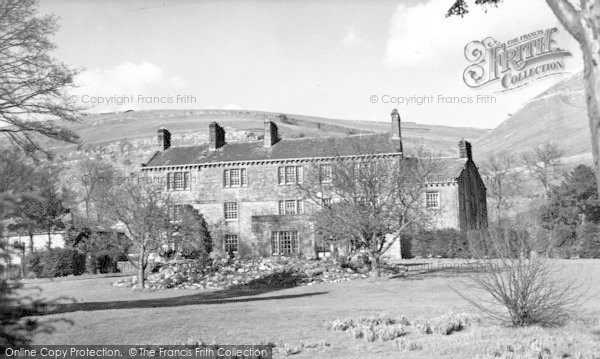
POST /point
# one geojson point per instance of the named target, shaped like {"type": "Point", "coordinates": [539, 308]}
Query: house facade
{"type": "Point", "coordinates": [251, 188]}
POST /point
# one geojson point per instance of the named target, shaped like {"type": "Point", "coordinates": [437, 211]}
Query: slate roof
{"type": "Point", "coordinates": [288, 149]}
{"type": "Point", "coordinates": [282, 150]}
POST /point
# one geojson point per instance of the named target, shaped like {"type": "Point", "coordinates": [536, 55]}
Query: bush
{"type": "Point", "coordinates": [58, 262]}
{"type": "Point", "coordinates": [520, 288]}
{"type": "Point", "coordinates": [34, 263]}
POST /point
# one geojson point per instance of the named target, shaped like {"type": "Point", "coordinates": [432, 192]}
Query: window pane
{"type": "Point", "coordinates": [275, 243]}
{"type": "Point", "coordinates": [244, 178]}
{"type": "Point", "coordinates": [186, 180]}
{"type": "Point", "coordinates": [432, 199]}
{"type": "Point", "coordinates": [290, 207]}
{"type": "Point", "coordinates": [281, 175]}
{"type": "Point", "coordinates": [235, 177]}
{"type": "Point", "coordinates": [231, 243]}
{"type": "Point", "coordinates": [281, 207]}
{"type": "Point", "coordinates": [294, 240]}
{"type": "Point", "coordinates": [299, 174]}
{"type": "Point", "coordinates": [226, 181]}
{"type": "Point", "coordinates": [169, 180]}
{"type": "Point", "coordinates": [290, 174]}
{"type": "Point", "coordinates": [285, 244]}
{"type": "Point", "coordinates": [231, 210]}
{"type": "Point", "coordinates": [325, 173]}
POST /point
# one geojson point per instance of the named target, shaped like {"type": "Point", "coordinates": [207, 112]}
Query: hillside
{"type": "Point", "coordinates": [557, 115]}
{"type": "Point", "coordinates": [131, 136]}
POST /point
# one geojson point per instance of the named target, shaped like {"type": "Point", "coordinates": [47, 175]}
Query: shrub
{"type": "Point", "coordinates": [57, 262]}
{"type": "Point", "coordinates": [421, 326]}
{"type": "Point", "coordinates": [380, 326]}
{"type": "Point", "coordinates": [390, 332]}
{"type": "Point", "coordinates": [408, 345]}
{"type": "Point", "coordinates": [34, 263]}
{"type": "Point", "coordinates": [522, 290]}
{"type": "Point", "coordinates": [63, 262]}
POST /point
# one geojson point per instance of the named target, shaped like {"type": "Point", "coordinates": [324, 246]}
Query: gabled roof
{"type": "Point", "coordinates": [303, 148]}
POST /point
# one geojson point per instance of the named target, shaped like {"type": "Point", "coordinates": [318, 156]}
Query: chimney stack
{"type": "Point", "coordinates": [271, 135]}
{"type": "Point", "coordinates": [396, 129]}
{"type": "Point", "coordinates": [464, 150]}
{"type": "Point", "coordinates": [216, 136]}
{"type": "Point", "coordinates": [164, 138]}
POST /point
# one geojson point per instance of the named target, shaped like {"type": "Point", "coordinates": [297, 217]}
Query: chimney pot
{"type": "Point", "coordinates": [271, 135]}
{"type": "Point", "coordinates": [464, 150]}
{"type": "Point", "coordinates": [216, 136]}
{"type": "Point", "coordinates": [164, 138]}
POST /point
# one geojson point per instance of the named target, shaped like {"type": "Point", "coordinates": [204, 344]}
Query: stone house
{"type": "Point", "coordinates": [251, 187]}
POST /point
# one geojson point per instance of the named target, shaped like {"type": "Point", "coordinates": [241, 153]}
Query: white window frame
{"type": "Point", "coordinates": [290, 175]}
{"type": "Point", "coordinates": [228, 212]}
{"type": "Point", "coordinates": [432, 199]}
{"type": "Point", "coordinates": [326, 173]}
{"type": "Point", "coordinates": [231, 240]}
{"type": "Point", "coordinates": [178, 180]}
{"type": "Point", "coordinates": [285, 243]}
{"type": "Point", "coordinates": [291, 206]}
{"type": "Point", "coordinates": [235, 177]}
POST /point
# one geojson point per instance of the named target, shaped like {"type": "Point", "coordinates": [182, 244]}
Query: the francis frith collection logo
{"type": "Point", "coordinates": [516, 62]}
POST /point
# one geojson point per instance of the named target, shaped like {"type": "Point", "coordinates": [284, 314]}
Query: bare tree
{"type": "Point", "coordinates": [542, 162]}
{"type": "Point", "coordinates": [502, 181]}
{"type": "Point", "coordinates": [583, 23]}
{"type": "Point", "coordinates": [369, 200]}
{"type": "Point", "coordinates": [33, 84]}
{"type": "Point", "coordinates": [522, 289]}
{"type": "Point", "coordinates": [94, 179]}
{"type": "Point", "coordinates": [142, 206]}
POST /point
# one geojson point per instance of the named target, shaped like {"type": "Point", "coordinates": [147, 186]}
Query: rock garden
{"type": "Point", "coordinates": [279, 272]}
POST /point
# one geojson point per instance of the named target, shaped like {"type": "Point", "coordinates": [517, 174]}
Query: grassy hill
{"type": "Point", "coordinates": [558, 115]}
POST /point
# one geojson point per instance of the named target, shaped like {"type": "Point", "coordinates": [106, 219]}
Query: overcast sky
{"type": "Point", "coordinates": [322, 58]}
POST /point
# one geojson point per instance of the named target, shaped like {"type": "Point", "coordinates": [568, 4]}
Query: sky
{"type": "Point", "coordinates": [343, 59]}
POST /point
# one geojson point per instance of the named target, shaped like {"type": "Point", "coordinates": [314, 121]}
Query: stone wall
{"type": "Point", "coordinates": [258, 206]}
{"type": "Point", "coordinates": [472, 199]}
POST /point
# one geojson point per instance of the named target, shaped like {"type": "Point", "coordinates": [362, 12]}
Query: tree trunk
{"type": "Point", "coordinates": [141, 269]}
{"type": "Point", "coordinates": [31, 245]}
{"type": "Point", "coordinates": [591, 57]}
{"type": "Point", "coordinates": [584, 25]}
{"type": "Point", "coordinates": [375, 265]}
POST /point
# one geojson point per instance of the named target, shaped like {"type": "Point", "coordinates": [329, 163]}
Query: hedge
{"type": "Point", "coordinates": [57, 262]}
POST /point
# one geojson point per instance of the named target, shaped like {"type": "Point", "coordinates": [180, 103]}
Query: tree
{"type": "Point", "coordinates": [369, 200]}
{"type": "Point", "coordinates": [191, 237]}
{"type": "Point", "coordinates": [16, 309]}
{"type": "Point", "coordinates": [502, 181]}
{"type": "Point", "coordinates": [33, 85]}
{"type": "Point", "coordinates": [142, 206]}
{"type": "Point", "coordinates": [542, 162]}
{"type": "Point", "coordinates": [44, 210]}
{"type": "Point", "coordinates": [94, 180]}
{"type": "Point", "coordinates": [570, 205]}
{"type": "Point", "coordinates": [584, 25]}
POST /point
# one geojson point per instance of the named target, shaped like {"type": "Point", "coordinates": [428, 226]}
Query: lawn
{"type": "Point", "coordinates": [297, 317]}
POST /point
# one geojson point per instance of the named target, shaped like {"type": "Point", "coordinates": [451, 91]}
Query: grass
{"type": "Point", "coordinates": [296, 319]}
